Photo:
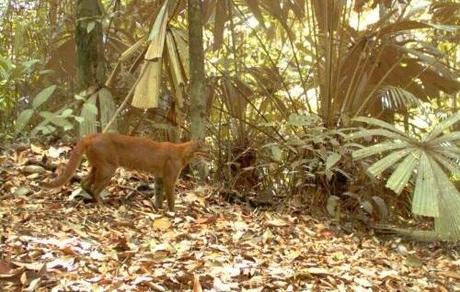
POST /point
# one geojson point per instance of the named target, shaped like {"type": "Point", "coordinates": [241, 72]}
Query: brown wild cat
{"type": "Point", "coordinates": [107, 152]}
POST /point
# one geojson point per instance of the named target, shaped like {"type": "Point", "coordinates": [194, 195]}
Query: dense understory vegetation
{"type": "Point", "coordinates": [285, 85]}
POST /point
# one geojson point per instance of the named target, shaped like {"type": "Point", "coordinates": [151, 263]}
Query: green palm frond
{"type": "Point", "coordinates": [403, 172]}
{"type": "Point", "coordinates": [378, 148]}
{"type": "Point", "coordinates": [431, 159]}
{"type": "Point", "coordinates": [425, 201]}
{"type": "Point", "coordinates": [387, 162]}
{"type": "Point", "coordinates": [442, 127]}
{"type": "Point", "coordinates": [449, 137]}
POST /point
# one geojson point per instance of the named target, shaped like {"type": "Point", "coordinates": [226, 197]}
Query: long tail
{"type": "Point", "coordinates": [74, 161]}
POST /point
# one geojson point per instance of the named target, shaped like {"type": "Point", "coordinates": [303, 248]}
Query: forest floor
{"type": "Point", "coordinates": [49, 241]}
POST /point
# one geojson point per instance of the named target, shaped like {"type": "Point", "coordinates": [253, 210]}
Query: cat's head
{"type": "Point", "coordinates": [197, 148]}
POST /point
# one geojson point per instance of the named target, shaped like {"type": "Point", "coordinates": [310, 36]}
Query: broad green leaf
{"type": "Point", "coordinates": [403, 172]}
{"type": "Point", "coordinates": [63, 123]}
{"type": "Point", "coordinates": [378, 148]}
{"type": "Point", "coordinates": [45, 124]}
{"type": "Point", "coordinates": [332, 160]}
{"type": "Point", "coordinates": [43, 96]}
{"type": "Point", "coordinates": [23, 119]}
{"type": "Point", "coordinates": [66, 113]}
{"type": "Point", "coordinates": [425, 200]}
{"type": "Point", "coordinates": [45, 129]}
{"type": "Point", "coordinates": [57, 120]}
{"type": "Point", "coordinates": [388, 161]}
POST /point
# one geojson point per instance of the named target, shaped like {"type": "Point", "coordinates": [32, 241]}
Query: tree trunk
{"type": "Point", "coordinates": [90, 49]}
{"type": "Point", "coordinates": [197, 77]}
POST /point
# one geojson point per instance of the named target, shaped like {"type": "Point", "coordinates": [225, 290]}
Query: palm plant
{"type": "Point", "coordinates": [356, 63]}
{"type": "Point", "coordinates": [430, 159]}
